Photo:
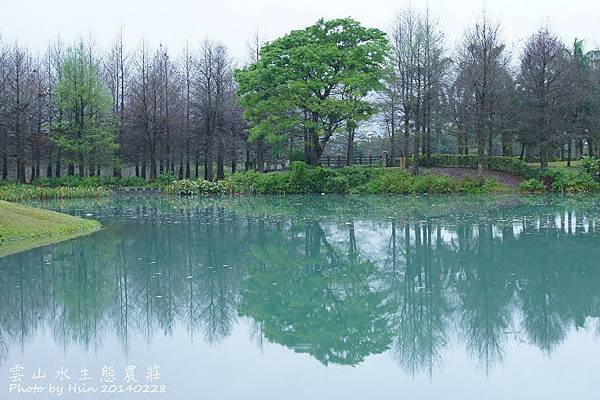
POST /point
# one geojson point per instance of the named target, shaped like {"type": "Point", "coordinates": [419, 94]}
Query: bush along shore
{"type": "Point", "coordinates": [23, 227]}
{"type": "Point", "coordinates": [303, 179]}
{"type": "Point", "coordinates": [75, 187]}
{"type": "Point", "coordinates": [19, 192]}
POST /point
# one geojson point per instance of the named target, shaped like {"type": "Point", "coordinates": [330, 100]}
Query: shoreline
{"type": "Point", "coordinates": [24, 228]}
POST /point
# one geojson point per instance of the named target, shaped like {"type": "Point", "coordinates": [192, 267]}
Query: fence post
{"type": "Point", "coordinates": [328, 161]}
{"type": "Point", "coordinates": [370, 159]}
{"type": "Point", "coordinates": [360, 160]}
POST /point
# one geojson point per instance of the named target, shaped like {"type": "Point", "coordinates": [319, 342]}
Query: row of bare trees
{"type": "Point", "coordinates": [177, 115]}
{"type": "Point", "coordinates": [481, 96]}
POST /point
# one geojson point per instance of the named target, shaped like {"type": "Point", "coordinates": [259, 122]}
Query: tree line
{"type": "Point", "coordinates": [78, 110]}
{"type": "Point", "coordinates": [539, 103]}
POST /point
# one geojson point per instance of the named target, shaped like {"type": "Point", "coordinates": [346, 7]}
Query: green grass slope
{"type": "Point", "coordinates": [23, 228]}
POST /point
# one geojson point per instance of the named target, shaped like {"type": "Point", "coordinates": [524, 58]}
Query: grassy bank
{"type": "Point", "coordinates": [23, 228]}
{"type": "Point", "coordinates": [19, 192]}
{"type": "Point", "coordinates": [302, 179]}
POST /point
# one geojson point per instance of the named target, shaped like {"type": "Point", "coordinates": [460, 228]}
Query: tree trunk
{"type": "Point", "coordinates": [81, 168]}
{"type": "Point", "coordinates": [529, 156]}
{"type": "Point", "coordinates": [507, 145]}
{"type": "Point", "coordinates": [152, 165]}
{"type": "Point", "coordinates": [57, 168]}
{"type": "Point", "coordinates": [350, 147]}
{"type": "Point", "coordinates": [4, 167]}
{"type": "Point", "coordinates": [315, 149]}
{"type": "Point", "coordinates": [481, 142]}
{"type": "Point", "coordinates": [416, 151]}
{"type": "Point", "coordinates": [544, 156]}
{"type": "Point", "coordinates": [260, 152]}
{"type": "Point", "coordinates": [49, 168]}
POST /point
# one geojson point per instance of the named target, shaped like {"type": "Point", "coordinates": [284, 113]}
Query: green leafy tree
{"type": "Point", "coordinates": [315, 81]}
{"type": "Point", "coordinates": [85, 130]}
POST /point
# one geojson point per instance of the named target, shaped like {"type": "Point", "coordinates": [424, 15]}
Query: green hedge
{"type": "Point", "coordinates": [510, 165]}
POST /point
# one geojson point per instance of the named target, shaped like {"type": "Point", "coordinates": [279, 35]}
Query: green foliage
{"type": "Point", "coordinates": [449, 160]}
{"type": "Point", "coordinates": [200, 187]}
{"type": "Point", "coordinates": [165, 179]}
{"type": "Point", "coordinates": [297, 82]}
{"type": "Point", "coordinates": [297, 155]}
{"type": "Point", "coordinates": [28, 192]}
{"type": "Point", "coordinates": [405, 183]}
{"type": "Point", "coordinates": [91, 182]}
{"type": "Point", "coordinates": [511, 165]}
{"type": "Point", "coordinates": [304, 179]}
{"type": "Point", "coordinates": [85, 131]}
{"type": "Point", "coordinates": [564, 181]}
{"type": "Point", "coordinates": [532, 185]}
{"type": "Point", "coordinates": [590, 166]}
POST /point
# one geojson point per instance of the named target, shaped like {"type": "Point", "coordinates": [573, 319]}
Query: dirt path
{"type": "Point", "coordinates": [459, 172]}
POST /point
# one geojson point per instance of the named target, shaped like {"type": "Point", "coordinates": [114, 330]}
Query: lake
{"type": "Point", "coordinates": [309, 297]}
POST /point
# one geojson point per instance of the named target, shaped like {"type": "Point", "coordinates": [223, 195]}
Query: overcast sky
{"type": "Point", "coordinates": [232, 22]}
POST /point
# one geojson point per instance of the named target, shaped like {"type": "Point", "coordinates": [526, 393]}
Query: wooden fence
{"type": "Point", "coordinates": [381, 160]}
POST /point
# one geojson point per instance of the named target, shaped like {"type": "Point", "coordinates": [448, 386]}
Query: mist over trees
{"type": "Point", "coordinates": [334, 88]}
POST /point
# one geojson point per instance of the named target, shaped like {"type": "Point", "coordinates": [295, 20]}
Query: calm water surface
{"type": "Point", "coordinates": [313, 297]}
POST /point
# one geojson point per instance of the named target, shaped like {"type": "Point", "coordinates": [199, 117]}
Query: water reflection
{"type": "Point", "coordinates": [340, 279]}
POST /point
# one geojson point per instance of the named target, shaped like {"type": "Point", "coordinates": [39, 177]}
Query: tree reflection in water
{"type": "Point", "coordinates": [340, 279]}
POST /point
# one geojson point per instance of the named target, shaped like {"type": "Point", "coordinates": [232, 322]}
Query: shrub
{"type": "Point", "coordinates": [476, 186]}
{"type": "Point", "coordinates": [532, 185]}
{"type": "Point", "coordinates": [405, 183]}
{"type": "Point", "coordinates": [132, 181]}
{"type": "Point", "coordinates": [513, 166]}
{"type": "Point", "coordinates": [304, 179]}
{"type": "Point", "coordinates": [590, 166]}
{"type": "Point", "coordinates": [359, 176]}
{"type": "Point", "coordinates": [297, 155]}
{"type": "Point", "coordinates": [200, 187]}
{"type": "Point", "coordinates": [165, 179]}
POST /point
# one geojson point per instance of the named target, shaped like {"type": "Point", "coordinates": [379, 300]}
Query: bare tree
{"type": "Point", "coordinates": [482, 62]}
{"type": "Point", "coordinates": [415, 84]}
{"type": "Point", "coordinates": [545, 90]}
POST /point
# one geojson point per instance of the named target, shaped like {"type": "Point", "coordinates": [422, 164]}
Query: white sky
{"type": "Point", "coordinates": [172, 22]}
